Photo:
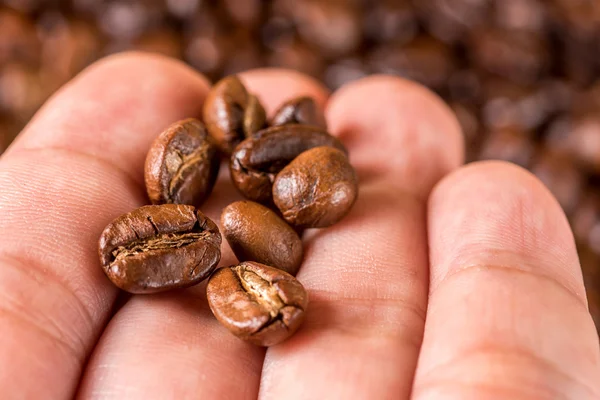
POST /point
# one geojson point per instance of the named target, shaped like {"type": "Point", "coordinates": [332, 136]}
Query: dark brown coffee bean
{"type": "Point", "coordinates": [182, 165]}
{"type": "Point", "coordinates": [584, 141]}
{"type": "Point", "coordinates": [425, 60]}
{"type": "Point", "coordinates": [317, 189]}
{"type": "Point", "coordinates": [232, 114]}
{"type": "Point", "coordinates": [158, 248]}
{"type": "Point", "coordinates": [467, 118]}
{"type": "Point", "coordinates": [391, 20]}
{"type": "Point", "coordinates": [297, 56]}
{"type": "Point", "coordinates": [508, 144]}
{"type": "Point", "coordinates": [586, 222]}
{"type": "Point", "coordinates": [344, 71]}
{"type": "Point", "coordinates": [522, 57]}
{"type": "Point", "coordinates": [255, 233]}
{"type": "Point", "coordinates": [560, 175]}
{"type": "Point", "coordinates": [450, 20]}
{"type": "Point", "coordinates": [300, 110]}
{"type": "Point", "coordinates": [521, 15]}
{"type": "Point", "coordinates": [333, 27]}
{"type": "Point", "coordinates": [18, 39]}
{"type": "Point", "coordinates": [255, 162]}
{"type": "Point", "coordinates": [257, 303]}
{"type": "Point", "coordinates": [162, 41]}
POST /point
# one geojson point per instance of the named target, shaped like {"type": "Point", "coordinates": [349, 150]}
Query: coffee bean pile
{"type": "Point", "coordinates": [521, 75]}
{"type": "Point", "coordinates": [290, 164]}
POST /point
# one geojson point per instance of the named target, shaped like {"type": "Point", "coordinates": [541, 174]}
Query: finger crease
{"type": "Point", "coordinates": [108, 164]}
{"type": "Point", "coordinates": [36, 268]}
{"type": "Point", "coordinates": [494, 352]}
{"type": "Point", "coordinates": [524, 270]}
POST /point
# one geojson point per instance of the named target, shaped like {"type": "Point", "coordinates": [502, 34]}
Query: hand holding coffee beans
{"type": "Point", "coordinates": [293, 164]}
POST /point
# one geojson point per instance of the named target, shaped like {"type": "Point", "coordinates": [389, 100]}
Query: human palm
{"type": "Point", "coordinates": [442, 283]}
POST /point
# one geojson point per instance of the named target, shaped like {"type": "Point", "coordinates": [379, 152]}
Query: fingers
{"type": "Point", "coordinates": [368, 275]}
{"type": "Point", "coordinates": [507, 313]}
{"type": "Point", "coordinates": [170, 346]}
{"type": "Point", "coordinates": [73, 170]}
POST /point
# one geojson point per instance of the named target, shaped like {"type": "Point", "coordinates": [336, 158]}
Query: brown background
{"type": "Point", "coordinates": [520, 74]}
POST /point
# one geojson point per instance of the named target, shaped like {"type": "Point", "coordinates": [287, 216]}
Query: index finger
{"type": "Point", "coordinates": [76, 166]}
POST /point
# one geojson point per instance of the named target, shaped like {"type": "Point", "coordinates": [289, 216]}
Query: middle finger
{"type": "Point", "coordinates": [368, 276]}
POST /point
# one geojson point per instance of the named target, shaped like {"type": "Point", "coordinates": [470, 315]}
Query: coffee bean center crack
{"type": "Point", "coordinates": [160, 242]}
{"type": "Point", "coordinates": [264, 293]}
{"type": "Point", "coordinates": [186, 161]}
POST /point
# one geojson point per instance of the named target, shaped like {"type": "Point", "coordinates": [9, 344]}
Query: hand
{"type": "Point", "coordinates": [445, 282]}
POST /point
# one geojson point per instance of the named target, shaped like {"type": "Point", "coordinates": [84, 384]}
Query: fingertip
{"type": "Point", "coordinates": [501, 181]}
{"type": "Point", "coordinates": [397, 127]}
{"type": "Point", "coordinates": [274, 86]}
{"type": "Point", "coordinates": [145, 66]}
{"type": "Point", "coordinates": [115, 108]}
{"type": "Point", "coordinates": [494, 207]}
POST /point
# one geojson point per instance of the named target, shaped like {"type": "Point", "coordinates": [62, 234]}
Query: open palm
{"type": "Point", "coordinates": [440, 284]}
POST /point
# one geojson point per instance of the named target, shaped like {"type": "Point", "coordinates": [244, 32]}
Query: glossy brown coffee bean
{"type": "Point", "coordinates": [255, 162]}
{"type": "Point", "coordinates": [256, 233]}
{"type": "Point", "coordinates": [317, 189]}
{"type": "Point", "coordinates": [231, 113]}
{"type": "Point", "coordinates": [182, 165]}
{"type": "Point", "coordinates": [257, 303]}
{"type": "Point", "coordinates": [300, 110]}
{"type": "Point", "coordinates": [158, 248]}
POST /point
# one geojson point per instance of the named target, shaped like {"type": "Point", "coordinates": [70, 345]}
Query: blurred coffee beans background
{"type": "Point", "coordinates": [521, 75]}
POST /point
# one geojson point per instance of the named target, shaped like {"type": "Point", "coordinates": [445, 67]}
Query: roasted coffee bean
{"type": "Point", "coordinates": [257, 303]}
{"type": "Point", "coordinates": [391, 20]}
{"type": "Point", "coordinates": [297, 56]}
{"type": "Point", "coordinates": [232, 114]}
{"type": "Point", "coordinates": [467, 118]}
{"type": "Point", "coordinates": [255, 162]}
{"type": "Point", "coordinates": [586, 222]}
{"type": "Point", "coordinates": [560, 175]}
{"type": "Point", "coordinates": [522, 57]}
{"type": "Point", "coordinates": [424, 60]}
{"type": "Point", "coordinates": [182, 165]}
{"type": "Point", "coordinates": [333, 26]}
{"type": "Point", "coordinates": [450, 20]}
{"type": "Point", "coordinates": [255, 233]}
{"type": "Point", "coordinates": [158, 248]}
{"type": "Point", "coordinates": [317, 189]}
{"type": "Point", "coordinates": [18, 39]}
{"type": "Point", "coordinates": [344, 71]}
{"type": "Point", "coordinates": [508, 144]}
{"type": "Point", "coordinates": [300, 110]}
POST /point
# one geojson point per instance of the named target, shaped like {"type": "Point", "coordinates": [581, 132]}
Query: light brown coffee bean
{"type": "Point", "coordinates": [299, 110]}
{"type": "Point", "coordinates": [257, 303]}
{"type": "Point", "coordinates": [182, 165]}
{"type": "Point", "coordinates": [231, 114]}
{"type": "Point", "coordinates": [256, 233]}
{"type": "Point", "coordinates": [317, 189]}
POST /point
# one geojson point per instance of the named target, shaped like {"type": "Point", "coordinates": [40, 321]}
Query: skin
{"type": "Point", "coordinates": [449, 282]}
